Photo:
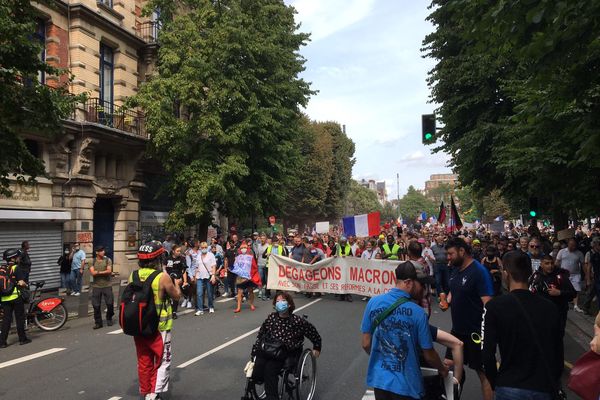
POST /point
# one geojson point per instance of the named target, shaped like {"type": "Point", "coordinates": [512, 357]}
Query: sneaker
{"type": "Point", "coordinates": [3, 345]}
{"type": "Point", "coordinates": [211, 310]}
{"type": "Point", "coordinates": [189, 304]}
{"type": "Point", "coordinates": [97, 326]}
{"type": "Point", "coordinates": [199, 312]}
{"type": "Point", "coordinates": [225, 294]}
{"type": "Point", "coordinates": [26, 341]}
{"type": "Point", "coordinates": [365, 298]}
{"type": "Point", "coordinates": [184, 303]}
{"type": "Point", "coordinates": [76, 294]}
{"type": "Point", "coordinates": [109, 322]}
{"type": "Point", "coordinates": [576, 308]}
{"type": "Point", "coordinates": [174, 315]}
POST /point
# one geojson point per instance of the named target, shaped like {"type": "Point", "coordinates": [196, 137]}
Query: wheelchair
{"type": "Point", "coordinates": [297, 383]}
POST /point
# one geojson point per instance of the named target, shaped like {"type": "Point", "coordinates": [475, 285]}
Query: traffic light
{"type": "Point", "coordinates": [428, 128]}
{"type": "Point", "coordinates": [533, 207]}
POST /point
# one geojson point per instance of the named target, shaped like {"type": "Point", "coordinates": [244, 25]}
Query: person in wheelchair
{"type": "Point", "coordinates": [280, 343]}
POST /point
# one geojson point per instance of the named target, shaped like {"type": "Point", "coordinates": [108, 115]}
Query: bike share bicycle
{"type": "Point", "coordinates": [48, 313]}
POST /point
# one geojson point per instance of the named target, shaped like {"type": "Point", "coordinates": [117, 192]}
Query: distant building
{"type": "Point", "coordinates": [377, 187]}
{"type": "Point", "coordinates": [440, 180]}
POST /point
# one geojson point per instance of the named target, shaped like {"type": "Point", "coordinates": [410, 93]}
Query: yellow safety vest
{"type": "Point", "coordinates": [15, 294]}
{"type": "Point", "coordinates": [393, 252]}
{"type": "Point", "coordinates": [165, 313]}
{"type": "Point", "coordinates": [279, 249]}
{"type": "Point", "coordinates": [344, 252]}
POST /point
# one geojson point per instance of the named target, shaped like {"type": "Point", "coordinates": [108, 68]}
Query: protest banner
{"type": "Point", "coordinates": [338, 275]}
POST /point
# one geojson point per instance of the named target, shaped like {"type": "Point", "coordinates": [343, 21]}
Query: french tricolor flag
{"type": "Point", "coordinates": [363, 225]}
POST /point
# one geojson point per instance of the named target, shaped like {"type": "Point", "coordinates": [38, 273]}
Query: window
{"type": "Point", "coordinates": [106, 77]}
{"type": "Point", "coordinates": [107, 3]}
{"type": "Point", "coordinates": [40, 35]}
{"type": "Point", "coordinates": [33, 147]}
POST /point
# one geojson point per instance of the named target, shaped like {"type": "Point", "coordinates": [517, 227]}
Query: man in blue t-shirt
{"type": "Point", "coordinates": [395, 344]}
{"type": "Point", "coordinates": [470, 288]}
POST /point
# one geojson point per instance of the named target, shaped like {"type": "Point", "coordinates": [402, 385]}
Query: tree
{"type": "Point", "coordinates": [361, 200]}
{"type": "Point", "coordinates": [413, 203]}
{"type": "Point", "coordinates": [518, 88]}
{"type": "Point", "coordinates": [223, 110]}
{"type": "Point", "coordinates": [26, 105]}
{"type": "Point", "coordinates": [441, 193]}
{"type": "Point", "coordinates": [494, 205]}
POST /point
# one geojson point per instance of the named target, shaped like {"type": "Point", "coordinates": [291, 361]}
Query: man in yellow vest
{"type": "Point", "coordinates": [390, 249]}
{"type": "Point", "coordinates": [154, 352]}
{"type": "Point", "coordinates": [13, 302]}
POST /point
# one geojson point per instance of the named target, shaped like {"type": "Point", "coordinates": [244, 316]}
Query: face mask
{"type": "Point", "coordinates": [204, 251]}
{"type": "Point", "coordinates": [281, 306]}
{"type": "Point", "coordinates": [244, 250]}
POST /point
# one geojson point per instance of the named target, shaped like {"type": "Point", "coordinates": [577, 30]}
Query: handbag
{"type": "Point", "coordinates": [271, 348]}
{"type": "Point", "coordinates": [585, 379]}
{"type": "Point", "coordinates": [249, 369]}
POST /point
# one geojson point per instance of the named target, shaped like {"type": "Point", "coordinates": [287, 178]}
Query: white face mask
{"type": "Point", "coordinates": [244, 250]}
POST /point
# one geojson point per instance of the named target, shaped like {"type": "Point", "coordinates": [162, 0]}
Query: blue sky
{"type": "Point", "coordinates": [364, 58]}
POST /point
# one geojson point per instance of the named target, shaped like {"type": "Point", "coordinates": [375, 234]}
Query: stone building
{"type": "Point", "coordinates": [95, 181]}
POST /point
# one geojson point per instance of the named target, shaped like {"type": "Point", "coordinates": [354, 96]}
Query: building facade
{"type": "Point", "coordinates": [440, 186]}
{"type": "Point", "coordinates": [378, 187]}
{"type": "Point", "coordinates": [93, 192]}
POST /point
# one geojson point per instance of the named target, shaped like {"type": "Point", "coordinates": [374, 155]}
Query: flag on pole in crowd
{"type": "Point", "coordinates": [362, 225]}
{"type": "Point", "coordinates": [454, 223]}
{"type": "Point", "coordinates": [442, 215]}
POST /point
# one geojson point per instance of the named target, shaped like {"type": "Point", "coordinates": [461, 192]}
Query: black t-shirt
{"type": "Point", "coordinates": [505, 326]}
{"type": "Point", "coordinates": [176, 266]}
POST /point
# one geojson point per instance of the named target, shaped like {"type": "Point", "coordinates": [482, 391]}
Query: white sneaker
{"type": "Point", "coordinates": [211, 310]}
{"type": "Point", "coordinates": [189, 304]}
{"type": "Point", "coordinates": [199, 312]}
{"type": "Point", "coordinates": [224, 294]}
{"type": "Point", "coordinates": [576, 308]}
{"type": "Point", "coordinates": [76, 294]}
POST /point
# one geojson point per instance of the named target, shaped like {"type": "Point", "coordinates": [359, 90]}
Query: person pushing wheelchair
{"type": "Point", "coordinates": [280, 343]}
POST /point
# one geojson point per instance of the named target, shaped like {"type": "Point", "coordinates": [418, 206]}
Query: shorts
{"type": "Point", "coordinates": [576, 282]}
{"type": "Point", "coordinates": [246, 285]}
{"type": "Point", "coordinates": [471, 352]}
{"type": "Point", "coordinates": [433, 330]}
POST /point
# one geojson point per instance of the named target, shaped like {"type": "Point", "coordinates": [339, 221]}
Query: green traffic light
{"type": "Point", "coordinates": [428, 136]}
{"type": "Point", "coordinates": [532, 214]}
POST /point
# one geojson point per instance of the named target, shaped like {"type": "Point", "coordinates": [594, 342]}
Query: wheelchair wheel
{"type": "Point", "coordinates": [258, 390]}
{"type": "Point", "coordinates": [306, 375]}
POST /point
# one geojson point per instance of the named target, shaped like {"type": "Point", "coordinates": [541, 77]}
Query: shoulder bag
{"type": "Point", "coordinates": [380, 317]}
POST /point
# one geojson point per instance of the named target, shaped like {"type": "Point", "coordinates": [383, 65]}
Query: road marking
{"type": "Point", "coordinates": [115, 332]}
{"type": "Point", "coordinates": [31, 357]}
{"type": "Point", "coordinates": [234, 340]}
{"type": "Point", "coordinates": [115, 398]}
{"type": "Point", "coordinates": [187, 311]}
{"type": "Point", "coordinates": [369, 395]}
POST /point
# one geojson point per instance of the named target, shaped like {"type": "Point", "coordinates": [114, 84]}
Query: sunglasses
{"type": "Point", "coordinates": [534, 247]}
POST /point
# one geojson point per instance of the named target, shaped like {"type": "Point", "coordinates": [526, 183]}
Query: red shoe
{"type": "Point", "coordinates": [252, 308]}
{"type": "Point", "coordinates": [237, 310]}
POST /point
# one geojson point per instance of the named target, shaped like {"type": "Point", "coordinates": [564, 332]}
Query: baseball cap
{"type": "Point", "coordinates": [476, 241]}
{"type": "Point", "coordinates": [406, 270]}
{"type": "Point", "coordinates": [150, 251]}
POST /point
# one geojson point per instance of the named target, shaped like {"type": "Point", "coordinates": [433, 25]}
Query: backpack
{"type": "Point", "coordinates": [7, 280]}
{"type": "Point", "coordinates": [138, 315]}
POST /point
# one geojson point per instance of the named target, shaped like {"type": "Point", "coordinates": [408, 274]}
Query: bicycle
{"type": "Point", "coordinates": [297, 383]}
{"type": "Point", "coordinates": [48, 314]}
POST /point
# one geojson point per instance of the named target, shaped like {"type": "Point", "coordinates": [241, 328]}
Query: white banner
{"type": "Point", "coordinates": [322, 227]}
{"type": "Point", "coordinates": [339, 275]}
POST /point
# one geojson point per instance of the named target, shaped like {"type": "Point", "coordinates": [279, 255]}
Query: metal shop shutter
{"type": "Point", "coordinates": [45, 240]}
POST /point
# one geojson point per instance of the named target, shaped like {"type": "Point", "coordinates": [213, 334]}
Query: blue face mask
{"type": "Point", "coordinates": [204, 251]}
{"type": "Point", "coordinates": [281, 306]}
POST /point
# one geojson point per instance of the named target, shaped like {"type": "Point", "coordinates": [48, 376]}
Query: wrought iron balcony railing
{"type": "Point", "coordinates": [148, 31]}
{"type": "Point", "coordinates": [112, 115]}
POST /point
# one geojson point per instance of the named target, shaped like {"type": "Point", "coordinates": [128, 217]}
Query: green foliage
{"type": "Point", "coordinates": [361, 200]}
{"type": "Point", "coordinates": [231, 67]}
{"type": "Point", "coordinates": [520, 97]}
{"type": "Point", "coordinates": [413, 203]}
{"type": "Point", "coordinates": [26, 106]}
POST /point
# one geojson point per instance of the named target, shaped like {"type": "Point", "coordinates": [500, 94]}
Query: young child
{"type": "Point", "coordinates": [554, 284]}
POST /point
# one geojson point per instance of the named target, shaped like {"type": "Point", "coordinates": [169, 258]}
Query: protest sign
{"type": "Point", "coordinates": [339, 275]}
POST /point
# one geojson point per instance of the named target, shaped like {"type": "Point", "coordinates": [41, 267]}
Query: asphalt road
{"type": "Point", "coordinates": [209, 354]}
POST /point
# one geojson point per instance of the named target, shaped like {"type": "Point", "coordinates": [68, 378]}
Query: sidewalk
{"type": "Point", "coordinates": [81, 306]}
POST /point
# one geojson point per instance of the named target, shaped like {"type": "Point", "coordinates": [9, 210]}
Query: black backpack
{"type": "Point", "coordinates": [8, 280]}
{"type": "Point", "coordinates": [138, 315]}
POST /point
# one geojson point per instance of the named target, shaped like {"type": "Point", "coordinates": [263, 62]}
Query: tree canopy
{"type": "Point", "coordinates": [413, 203]}
{"type": "Point", "coordinates": [223, 110]}
{"type": "Point", "coordinates": [26, 105]}
{"type": "Point", "coordinates": [361, 200]}
{"type": "Point", "coordinates": [518, 83]}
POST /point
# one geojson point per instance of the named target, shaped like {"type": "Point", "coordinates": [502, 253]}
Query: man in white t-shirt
{"type": "Point", "coordinates": [205, 278]}
{"type": "Point", "coordinates": [572, 260]}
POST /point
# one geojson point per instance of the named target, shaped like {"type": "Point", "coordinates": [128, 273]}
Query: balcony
{"type": "Point", "coordinates": [111, 115]}
{"type": "Point", "coordinates": [148, 31]}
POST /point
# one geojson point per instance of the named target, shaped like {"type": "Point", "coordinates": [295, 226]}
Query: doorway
{"type": "Point", "coordinates": [104, 225]}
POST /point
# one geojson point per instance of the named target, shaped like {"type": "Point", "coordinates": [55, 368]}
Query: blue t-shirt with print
{"type": "Point", "coordinates": [396, 345]}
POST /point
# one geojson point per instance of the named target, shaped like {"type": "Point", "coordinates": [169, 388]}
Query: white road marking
{"type": "Point", "coordinates": [31, 357]}
{"type": "Point", "coordinates": [115, 398]}
{"type": "Point", "coordinates": [232, 341]}
{"type": "Point", "coordinates": [115, 332]}
{"type": "Point", "coordinates": [369, 395]}
{"type": "Point", "coordinates": [186, 311]}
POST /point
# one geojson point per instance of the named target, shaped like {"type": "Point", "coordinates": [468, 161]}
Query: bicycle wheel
{"type": "Point", "coordinates": [306, 375]}
{"type": "Point", "coordinates": [51, 320]}
{"type": "Point", "coordinates": [258, 390]}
